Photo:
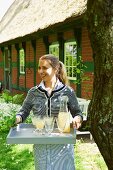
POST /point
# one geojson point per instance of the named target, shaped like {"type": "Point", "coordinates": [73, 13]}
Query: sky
{"type": "Point", "coordinates": [4, 5]}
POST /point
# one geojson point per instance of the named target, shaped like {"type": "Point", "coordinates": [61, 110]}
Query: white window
{"type": "Point", "coordinates": [70, 59]}
{"type": "Point", "coordinates": [54, 49]}
{"type": "Point", "coordinates": [22, 61]}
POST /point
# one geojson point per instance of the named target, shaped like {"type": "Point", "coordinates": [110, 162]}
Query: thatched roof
{"type": "Point", "coordinates": [27, 17]}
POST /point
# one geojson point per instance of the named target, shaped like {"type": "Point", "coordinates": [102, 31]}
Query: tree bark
{"type": "Point", "coordinates": [99, 19]}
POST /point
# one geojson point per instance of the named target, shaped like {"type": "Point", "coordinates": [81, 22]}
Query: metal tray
{"type": "Point", "coordinates": [24, 134]}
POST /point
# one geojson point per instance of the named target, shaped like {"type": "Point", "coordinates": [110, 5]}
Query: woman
{"type": "Point", "coordinates": [54, 84]}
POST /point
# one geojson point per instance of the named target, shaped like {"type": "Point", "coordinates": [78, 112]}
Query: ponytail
{"type": "Point", "coordinates": [62, 74]}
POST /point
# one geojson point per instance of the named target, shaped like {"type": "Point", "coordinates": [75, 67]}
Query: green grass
{"type": "Point", "coordinates": [20, 157]}
{"type": "Point", "coordinates": [88, 156]}
{"type": "Point", "coordinates": [15, 157]}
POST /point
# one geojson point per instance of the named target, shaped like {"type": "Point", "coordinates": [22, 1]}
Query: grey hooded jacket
{"type": "Point", "coordinates": [41, 103]}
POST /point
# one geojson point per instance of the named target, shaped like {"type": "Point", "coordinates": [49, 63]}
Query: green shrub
{"type": "Point", "coordinates": [18, 98]}
{"type": "Point", "coordinates": [9, 107]}
{"type": "Point", "coordinates": [9, 98]}
{"type": "Point", "coordinates": [6, 121]}
{"type": "Point", "coordinates": [8, 113]}
{"type": "Point", "coordinates": [6, 95]}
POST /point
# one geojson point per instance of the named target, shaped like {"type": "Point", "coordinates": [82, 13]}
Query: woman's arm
{"type": "Point", "coordinates": [26, 108]}
{"type": "Point", "coordinates": [75, 110]}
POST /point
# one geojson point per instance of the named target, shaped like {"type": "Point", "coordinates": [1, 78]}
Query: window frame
{"type": "Point", "coordinates": [73, 42]}
{"type": "Point", "coordinates": [55, 44]}
{"type": "Point", "coordinates": [22, 61]}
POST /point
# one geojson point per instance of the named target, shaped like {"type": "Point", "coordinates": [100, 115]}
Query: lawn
{"type": "Point", "coordinates": [88, 156]}
{"type": "Point", "coordinates": [20, 157]}
{"type": "Point", "coordinates": [15, 157]}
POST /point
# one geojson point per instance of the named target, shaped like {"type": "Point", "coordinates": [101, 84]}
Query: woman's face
{"type": "Point", "coordinates": [46, 71]}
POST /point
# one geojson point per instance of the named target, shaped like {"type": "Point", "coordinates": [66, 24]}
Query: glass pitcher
{"type": "Point", "coordinates": [63, 120]}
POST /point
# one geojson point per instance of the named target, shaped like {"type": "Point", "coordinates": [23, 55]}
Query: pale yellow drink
{"type": "Point", "coordinates": [39, 124]}
{"type": "Point", "coordinates": [64, 121]}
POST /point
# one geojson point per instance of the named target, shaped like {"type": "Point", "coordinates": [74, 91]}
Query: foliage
{"type": "Point", "coordinates": [85, 126]}
{"type": "Point", "coordinates": [79, 72]}
{"type": "Point", "coordinates": [8, 113]}
{"type": "Point", "coordinates": [80, 69]}
{"type": "Point", "coordinates": [54, 49]}
{"type": "Point", "coordinates": [15, 157]}
{"type": "Point", "coordinates": [16, 99]}
{"type": "Point", "coordinates": [20, 157]}
{"type": "Point", "coordinates": [6, 121]}
{"type": "Point", "coordinates": [6, 95]}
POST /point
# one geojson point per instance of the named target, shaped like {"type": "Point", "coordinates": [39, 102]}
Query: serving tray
{"type": "Point", "coordinates": [24, 134]}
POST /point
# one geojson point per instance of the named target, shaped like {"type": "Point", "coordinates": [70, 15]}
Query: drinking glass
{"type": "Point", "coordinates": [33, 118]}
{"type": "Point", "coordinates": [39, 124]}
{"type": "Point", "coordinates": [49, 124]}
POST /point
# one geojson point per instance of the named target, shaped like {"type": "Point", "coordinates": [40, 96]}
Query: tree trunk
{"type": "Point", "coordinates": [100, 26]}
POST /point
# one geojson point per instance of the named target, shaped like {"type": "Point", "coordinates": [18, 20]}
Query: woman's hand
{"type": "Point", "coordinates": [18, 119]}
{"type": "Point", "coordinates": [77, 121]}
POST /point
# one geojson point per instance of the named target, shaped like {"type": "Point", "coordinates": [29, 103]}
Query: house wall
{"type": "Point", "coordinates": [29, 77]}
{"type": "Point", "coordinates": [40, 50]}
{"type": "Point", "coordinates": [14, 71]}
{"type": "Point", "coordinates": [24, 82]}
{"type": "Point", "coordinates": [87, 83]}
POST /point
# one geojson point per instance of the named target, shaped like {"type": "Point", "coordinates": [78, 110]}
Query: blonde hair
{"type": "Point", "coordinates": [58, 65]}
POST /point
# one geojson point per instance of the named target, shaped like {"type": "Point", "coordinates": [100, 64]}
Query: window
{"type": "Point", "coordinates": [70, 59]}
{"type": "Point", "coordinates": [22, 61]}
{"type": "Point", "coordinates": [54, 49]}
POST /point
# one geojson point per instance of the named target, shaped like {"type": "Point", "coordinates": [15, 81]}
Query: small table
{"type": "Point", "coordinates": [24, 134]}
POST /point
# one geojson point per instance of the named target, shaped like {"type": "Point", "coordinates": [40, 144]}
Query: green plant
{"type": "Point", "coordinates": [6, 121]}
{"type": "Point", "coordinates": [15, 157]}
{"type": "Point", "coordinates": [8, 113]}
{"type": "Point", "coordinates": [18, 98]}
{"type": "Point", "coordinates": [28, 120]}
{"type": "Point", "coordinates": [10, 98]}
{"type": "Point", "coordinates": [79, 70]}
{"type": "Point", "coordinates": [6, 95]}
